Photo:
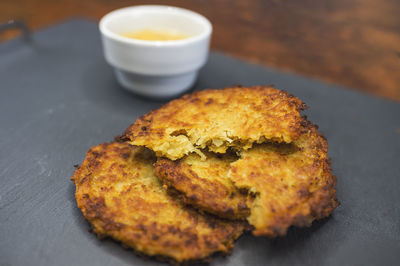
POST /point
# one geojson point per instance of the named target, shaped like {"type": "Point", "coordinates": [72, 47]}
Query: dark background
{"type": "Point", "coordinates": [355, 43]}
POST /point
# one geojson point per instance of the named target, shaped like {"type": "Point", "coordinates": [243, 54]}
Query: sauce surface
{"type": "Point", "coordinates": [155, 35]}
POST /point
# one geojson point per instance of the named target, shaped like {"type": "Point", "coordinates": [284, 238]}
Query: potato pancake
{"type": "Point", "coordinates": [218, 119]}
{"type": "Point", "coordinates": [286, 184]}
{"type": "Point", "coordinates": [118, 193]}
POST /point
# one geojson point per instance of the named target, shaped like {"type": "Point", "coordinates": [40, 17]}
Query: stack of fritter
{"type": "Point", "coordinates": [184, 181]}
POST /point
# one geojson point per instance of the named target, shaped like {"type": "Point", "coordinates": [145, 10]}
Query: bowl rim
{"type": "Point", "coordinates": [130, 41]}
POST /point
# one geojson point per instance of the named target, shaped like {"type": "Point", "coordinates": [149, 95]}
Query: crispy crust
{"type": "Point", "coordinates": [204, 185]}
{"type": "Point", "coordinates": [287, 184]}
{"type": "Point", "coordinates": [219, 119]}
{"type": "Point", "coordinates": [289, 188]}
{"type": "Point", "coordinates": [119, 195]}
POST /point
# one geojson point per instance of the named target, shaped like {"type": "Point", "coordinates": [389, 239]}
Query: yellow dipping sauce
{"type": "Point", "coordinates": [155, 35]}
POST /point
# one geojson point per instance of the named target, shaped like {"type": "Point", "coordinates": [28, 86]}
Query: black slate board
{"type": "Point", "coordinates": [59, 97]}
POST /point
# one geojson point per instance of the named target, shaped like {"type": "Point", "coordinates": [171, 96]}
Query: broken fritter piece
{"type": "Point", "coordinates": [118, 193]}
{"type": "Point", "coordinates": [204, 183]}
{"type": "Point", "coordinates": [289, 188]}
{"type": "Point", "coordinates": [218, 119]}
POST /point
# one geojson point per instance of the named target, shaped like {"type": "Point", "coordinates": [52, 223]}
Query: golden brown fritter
{"type": "Point", "coordinates": [204, 183]}
{"type": "Point", "coordinates": [119, 195]}
{"type": "Point", "coordinates": [287, 184]}
{"type": "Point", "coordinates": [288, 188]}
{"type": "Point", "coordinates": [219, 119]}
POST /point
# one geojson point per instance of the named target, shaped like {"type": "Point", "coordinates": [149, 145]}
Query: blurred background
{"type": "Point", "coordinates": [355, 43]}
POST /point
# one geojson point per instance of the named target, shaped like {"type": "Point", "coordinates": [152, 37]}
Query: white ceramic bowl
{"type": "Point", "coordinates": [155, 68]}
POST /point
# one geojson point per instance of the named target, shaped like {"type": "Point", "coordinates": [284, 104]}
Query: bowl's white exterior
{"type": "Point", "coordinates": [155, 68]}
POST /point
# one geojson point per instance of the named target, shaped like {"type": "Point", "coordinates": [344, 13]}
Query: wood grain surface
{"type": "Point", "coordinates": [355, 43]}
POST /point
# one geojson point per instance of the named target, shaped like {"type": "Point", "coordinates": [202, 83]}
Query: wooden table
{"type": "Point", "coordinates": [350, 42]}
